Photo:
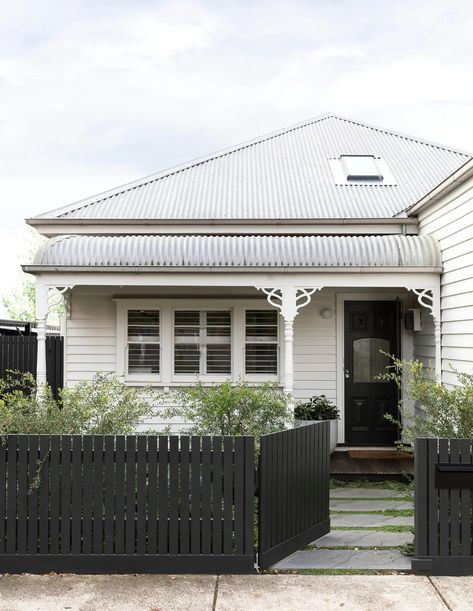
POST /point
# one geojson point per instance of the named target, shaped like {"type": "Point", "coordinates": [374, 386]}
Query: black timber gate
{"type": "Point", "coordinates": [293, 490]}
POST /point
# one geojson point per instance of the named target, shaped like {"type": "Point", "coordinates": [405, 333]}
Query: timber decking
{"type": "Point", "coordinates": [343, 466]}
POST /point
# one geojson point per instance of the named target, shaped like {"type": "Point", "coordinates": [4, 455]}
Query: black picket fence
{"type": "Point", "coordinates": [117, 504]}
{"type": "Point", "coordinates": [443, 507]}
{"type": "Point", "coordinates": [19, 353]}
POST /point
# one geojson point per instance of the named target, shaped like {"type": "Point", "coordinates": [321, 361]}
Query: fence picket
{"type": "Point", "coordinates": [108, 495]}
{"type": "Point", "coordinates": [98, 494]}
{"type": "Point", "coordinates": [55, 490]}
{"type": "Point", "coordinates": [120, 494]}
{"type": "Point", "coordinates": [184, 498]}
{"type": "Point", "coordinates": [152, 495]}
{"type": "Point", "coordinates": [76, 501]}
{"type": "Point", "coordinates": [44, 494]}
{"type": "Point", "coordinates": [163, 496]}
{"type": "Point", "coordinates": [32, 498]}
{"type": "Point", "coordinates": [3, 489]}
{"type": "Point", "coordinates": [227, 495]}
{"type": "Point", "coordinates": [454, 457]}
{"type": "Point", "coordinates": [22, 478]}
{"type": "Point", "coordinates": [195, 495]}
{"type": "Point", "coordinates": [466, 550]}
{"type": "Point", "coordinates": [239, 492]}
{"type": "Point", "coordinates": [173, 495]}
{"type": "Point", "coordinates": [66, 481]}
{"type": "Point", "coordinates": [11, 494]}
{"type": "Point", "coordinates": [217, 495]}
{"type": "Point", "coordinates": [130, 503]}
{"type": "Point", "coordinates": [206, 495]}
{"type": "Point", "coordinates": [141, 483]}
{"type": "Point", "coordinates": [88, 460]}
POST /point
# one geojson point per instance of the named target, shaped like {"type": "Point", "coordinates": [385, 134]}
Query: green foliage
{"type": "Point", "coordinates": [231, 409]}
{"type": "Point", "coordinates": [316, 408]}
{"type": "Point", "coordinates": [445, 411]}
{"type": "Point", "coordinates": [101, 406]}
{"type": "Point", "coordinates": [20, 302]}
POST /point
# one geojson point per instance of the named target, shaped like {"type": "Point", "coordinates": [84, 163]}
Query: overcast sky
{"type": "Point", "coordinates": [93, 94]}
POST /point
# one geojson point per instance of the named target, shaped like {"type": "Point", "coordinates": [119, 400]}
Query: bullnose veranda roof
{"type": "Point", "coordinates": [283, 175]}
{"type": "Point", "coordinates": [187, 253]}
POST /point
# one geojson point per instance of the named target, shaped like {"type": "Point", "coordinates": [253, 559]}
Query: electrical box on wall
{"type": "Point", "coordinates": [412, 319]}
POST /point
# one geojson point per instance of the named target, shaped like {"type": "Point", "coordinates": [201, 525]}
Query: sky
{"type": "Point", "coordinates": [94, 94]}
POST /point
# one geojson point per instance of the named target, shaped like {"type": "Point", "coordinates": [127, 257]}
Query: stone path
{"type": "Point", "coordinates": [361, 539]}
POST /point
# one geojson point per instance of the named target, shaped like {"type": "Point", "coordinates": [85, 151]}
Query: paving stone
{"type": "Point", "coordinates": [364, 538]}
{"type": "Point", "coordinates": [346, 559]}
{"type": "Point", "coordinates": [366, 520]}
{"type": "Point", "coordinates": [374, 505]}
{"type": "Point", "coordinates": [365, 493]}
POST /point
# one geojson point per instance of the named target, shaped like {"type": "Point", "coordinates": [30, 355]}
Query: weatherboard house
{"type": "Point", "coordinates": [298, 257]}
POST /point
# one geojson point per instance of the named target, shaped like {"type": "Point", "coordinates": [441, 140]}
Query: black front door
{"type": "Point", "coordinates": [371, 328]}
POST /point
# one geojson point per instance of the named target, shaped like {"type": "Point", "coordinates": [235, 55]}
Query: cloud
{"type": "Point", "coordinates": [96, 91]}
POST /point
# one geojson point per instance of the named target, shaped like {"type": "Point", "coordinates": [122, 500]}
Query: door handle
{"type": "Point", "coordinates": [347, 373]}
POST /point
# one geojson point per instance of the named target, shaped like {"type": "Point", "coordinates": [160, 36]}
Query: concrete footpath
{"type": "Point", "coordinates": [233, 593]}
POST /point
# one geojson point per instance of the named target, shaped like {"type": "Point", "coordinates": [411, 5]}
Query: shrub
{"type": "Point", "coordinates": [101, 406]}
{"type": "Point", "coordinates": [231, 409]}
{"type": "Point", "coordinates": [445, 411]}
{"type": "Point", "coordinates": [316, 408]}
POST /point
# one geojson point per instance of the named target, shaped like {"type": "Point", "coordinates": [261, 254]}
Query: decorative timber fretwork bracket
{"type": "Point", "coordinates": [289, 300]}
{"type": "Point", "coordinates": [429, 298]}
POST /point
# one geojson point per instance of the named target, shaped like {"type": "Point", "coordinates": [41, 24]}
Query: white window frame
{"type": "Point", "coordinates": [263, 376]}
{"type": "Point", "coordinates": [167, 379]}
{"type": "Point", "coordinates": [150, 377]}
{"type": "Point", "coordinates": [192, 377]}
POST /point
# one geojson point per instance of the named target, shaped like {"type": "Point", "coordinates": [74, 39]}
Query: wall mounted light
{"type": "Point", "coordinates": [326, 313]}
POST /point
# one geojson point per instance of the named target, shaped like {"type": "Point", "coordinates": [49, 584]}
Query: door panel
{"type": "Point", "coordinates": [371, 329]}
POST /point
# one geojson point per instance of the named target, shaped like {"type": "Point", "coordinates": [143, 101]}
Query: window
{"type": "Point", "coordinates": [361, 168]}
{"type": "Point", "coordinates": [143, 341]}
{"type": "Point", "coordinates": [261, 342]}
{"type": "Point", "coordinates": [202, 342]}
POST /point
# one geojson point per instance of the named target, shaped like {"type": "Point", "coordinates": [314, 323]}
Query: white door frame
{"type": "Point", "coordinates": [340, 342]}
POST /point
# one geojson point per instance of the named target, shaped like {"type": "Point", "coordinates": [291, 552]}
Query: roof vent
{"type": "Point", "coordinates": [360, 168]}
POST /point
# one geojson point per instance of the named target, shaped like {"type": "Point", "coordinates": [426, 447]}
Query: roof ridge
{"type": "Point", "coordinates": [393, 132]}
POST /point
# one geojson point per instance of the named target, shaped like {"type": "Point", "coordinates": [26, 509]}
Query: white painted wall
{"type": "Point", "coordinates": [91, 344]}
{"type": "Point", "coordinates": [451, 221]}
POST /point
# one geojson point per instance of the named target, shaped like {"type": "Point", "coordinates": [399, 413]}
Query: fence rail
{"type": "Point", "coordinates": [443, 507]}
{"type": "Point", "coordinates": [126, 504]}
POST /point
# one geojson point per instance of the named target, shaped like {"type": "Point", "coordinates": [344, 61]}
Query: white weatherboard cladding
{"type": "Point", "coordinates": [450, 220]}
{"type": "Point", "coordinates": [284, 175]}
{"type": "Point", "coordinates": [91, 344]}
{"type": "Point", "coordinates": [239, 251]}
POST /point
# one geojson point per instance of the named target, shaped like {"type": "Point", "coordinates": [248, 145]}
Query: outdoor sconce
{"type": "Point", "coordinates": [326, 313]}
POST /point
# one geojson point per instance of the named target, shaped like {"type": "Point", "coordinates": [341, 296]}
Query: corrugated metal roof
{"type": "Point", "coordinates": [284, 175]}
{"type": "Point", "coordinates": [189, 252]}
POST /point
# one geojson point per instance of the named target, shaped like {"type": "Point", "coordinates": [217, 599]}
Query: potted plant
{"type": "Point", "coordinates": [319, 408]}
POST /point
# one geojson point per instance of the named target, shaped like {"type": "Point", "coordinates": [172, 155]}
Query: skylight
{"type": "Point", "coordinates": [361, 168]}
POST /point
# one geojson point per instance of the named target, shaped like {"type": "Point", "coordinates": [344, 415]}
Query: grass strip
{"type": "Point", "coordinates": [390, 513]}
{"type": "Point", "coordinates": [383, 485]}
{"type": "Point", "coordinates": [402, 499]}
{"type": "Point", "coordinates": [388, 528]}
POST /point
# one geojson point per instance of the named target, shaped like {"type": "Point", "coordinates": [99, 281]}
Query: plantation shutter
{"type": "Point", "coordinates": [261, 342]}
{"type": "Point", "coordinates": [143, 341]}
{"type": "Point", "coordinates": [202, 342]}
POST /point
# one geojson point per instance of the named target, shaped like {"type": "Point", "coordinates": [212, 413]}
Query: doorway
{"type": "Point", "coordinates": [371, 333]}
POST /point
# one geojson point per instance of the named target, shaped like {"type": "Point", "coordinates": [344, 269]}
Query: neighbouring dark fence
{"type": "Point", "coordinates": [116, 504]}
{"type": "Point", "coordinates": [19, 352]}
{"type": "Point", "coordinates": [443, 507]}
{"type": "Point", "coordinates": [293, 490]}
